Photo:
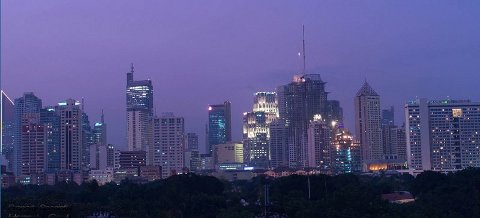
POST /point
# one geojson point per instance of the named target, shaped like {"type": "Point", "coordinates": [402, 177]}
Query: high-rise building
{"type": "Point", "coordinates": [8, 130]}
{"type": "Point", "coordinates": [368, 123]}
{"type": "Point", "coordinates": [33, 151]}
{"type": "Point", "coordinates": [298, 102]}
{"type": "Point", "coordinates": [356, 151]}
{"type": "Point", "coordinates": [100, 131]}
{"type": "Point", "coordinates": [139, 113]}
{"type": "Point", "coordinates": [387, 125]}
{"type": "Point", "coordinates": [88, 139]}
{"type": "Point", "coordinates": [169, 143]}
{"type": "Point", "coordinates": [192, 154]}
{"type": "Point", "coordinates": [442, 135]}
{"type": "Point", "coordinates": [278, 143]}
{"type": "Point", "coordinates": [27, 104]}
{"type": "Point", "coordinates": [256, 137]}
{"type": "Point", "coordinates": [256, 133]}
{"type": "Point", "coordinates": [71, 135]}
{"type": "Point", "coordinates": [342, 154]}
{"type": "Point", "coordinates": [398, 142]}
{"type": "Point", "coordinates": [51, 120]}
{"type": "Point", "coordinates": [219, 125]}
{"type": "Point", "coordinates": [393, 137]}
{"type": "Point", "coordinates": [319, 144]}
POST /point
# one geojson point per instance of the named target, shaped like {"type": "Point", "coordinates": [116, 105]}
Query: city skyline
{"type": "Point", "coordinates": [238, 59]}
{"type": "Point", "coordinates": [121, 108]}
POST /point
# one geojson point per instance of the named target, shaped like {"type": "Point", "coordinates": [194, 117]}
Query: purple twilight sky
{"type": "Point", "coordinates": [205, 52]}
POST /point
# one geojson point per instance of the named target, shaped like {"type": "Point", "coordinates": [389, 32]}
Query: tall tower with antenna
{"type": "Point", "coordinates": [298, 103]}
{"type": "Point", "coordinates": [139, 99]}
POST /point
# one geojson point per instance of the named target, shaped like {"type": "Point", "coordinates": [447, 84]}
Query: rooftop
{"type": "Point", "coordinates": [366, 90]}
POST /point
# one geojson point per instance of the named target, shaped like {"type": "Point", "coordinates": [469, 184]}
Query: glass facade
{"type": "Point", "coordinates": [87, 134]}
{"type": "Point", "coordinates": [139, 94]}
{"type": "Point", "coordinates": [99, 133]}
{"type": "Point", "coordinates": [342, 152]}
{"type": "Point", "coordinates": [219, 125]}
{"type": "Point", "coordinates": [278, 143]}
{"type": "Point", "coordinates": [51, 120]}
{"type": "Point", "coordinates": [139, 99]}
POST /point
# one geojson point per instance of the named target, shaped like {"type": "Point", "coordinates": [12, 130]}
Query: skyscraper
{"type": "Point", "coordinates": [319, 144]}
{"type": "Point", "coordinates": [256, 133]}
{"type": "Point", "coordinates": [398, 142]}
{"type": "Point", "coordinates": [100, 131]}
{"type": "Point", "coordinates": [219, 125]}
{"type": "Point", "coordinates": [356, 152]}
{"type": "Point", "coordinates": [169, 143]}
{"type": "Point", "coordinates": [343, 151]}
{"type": "Point", "coordinates": [33, 149]}
{"type": "Point", "coordinates": [443, 135]}
{"type": "Point", "coordinates": [393, 137]}
{"type": "Point", "coordinates": [51, 120]}
{"type": "Point", "coordinates": [278, 143]}
{"type": "Point", "coordinates": [192, 154]}
{"type": "Point", "coordinates": [87, 141]}
{"type": "Point", "coordinates": [256, 139]}
{"type": "Point", "coordinates": [387, 125]}
{"type": "Point", "coordinates": [27, 104]}
{"type": "Point", "coordinates": [368, 123]}
{"type": "Point", "coordinates": [71, 135]}
{"type": "Point", "coordinates": [139, 113]}
{"type": "Point", "coordinates": [298, 102]}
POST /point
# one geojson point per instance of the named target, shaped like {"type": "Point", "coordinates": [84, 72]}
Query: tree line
{"type": "Point", "coordinates": [189, 195]}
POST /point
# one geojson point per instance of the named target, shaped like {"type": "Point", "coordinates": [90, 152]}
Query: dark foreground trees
{"type": "Point", "coordinates": [348, 195]}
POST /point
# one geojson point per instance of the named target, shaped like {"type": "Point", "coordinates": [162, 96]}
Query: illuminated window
{"type": "Point", "coordinates": [457, 112]}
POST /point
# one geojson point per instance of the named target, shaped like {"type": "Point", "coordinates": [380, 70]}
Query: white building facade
{"type": "Point", "coordinates": [442, 135]}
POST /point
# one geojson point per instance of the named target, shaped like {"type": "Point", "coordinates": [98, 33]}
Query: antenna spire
{"type": "Point", "coordinates": [132, 68]}
{"type": "Point", "coordinates": [102, 118]}
{"type": "Point", "coordinates": [303, 51]}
